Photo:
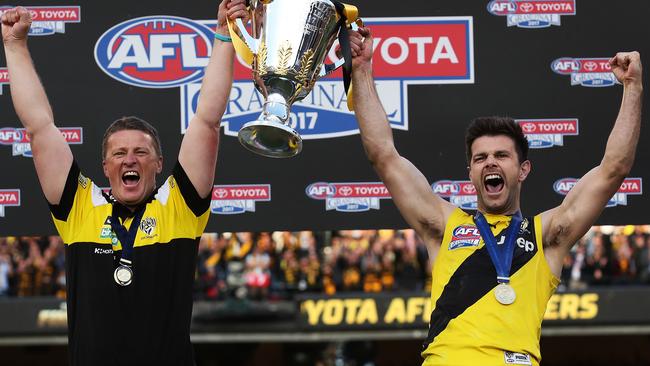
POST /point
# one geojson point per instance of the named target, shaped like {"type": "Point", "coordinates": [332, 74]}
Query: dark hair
{"type": "Point", "coordinates": [494, 126]}
{"type": "Point", "coordinates": [131, 123]}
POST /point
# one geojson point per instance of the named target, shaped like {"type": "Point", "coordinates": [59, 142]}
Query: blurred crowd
{"type": "Point", "coordinates": [618, 255]}
{"type": "Point", "coordinates": [279, 265]}
{"type": "Point", "coordinates": [32, 266]}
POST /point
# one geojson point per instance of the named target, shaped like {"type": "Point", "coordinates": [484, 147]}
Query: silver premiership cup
{"type": "Point", "coordinates": [289, 41]}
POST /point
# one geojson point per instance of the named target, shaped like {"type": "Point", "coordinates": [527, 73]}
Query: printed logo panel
{"type": "Point", "coordinates": [464, 236]}
{"type": "Point", "coordinates": [431, 50]}
{"type": "Point", "coordinates": [155, 51]}
{"type": "Point", "coordinates": [18, 139]}
{"type": "Point", "coordinates": [9, 198]}
{"type": "Point", "coordinates": [544, 133]}
{"type": "Point", "coordinates": [532, 13]}
{"type": "Point", "coordinates": [48, 20]}
{"type": "Point", "coordinates": [348, 197]}
{"type": "Point", "coordinates": [238, 199]}
{"type": "Point", "coordinates": [461, 193]}
{"type": "Point", "coordinates": [589, 72]}
{"type": "Point", "coordinates": [630, 186]}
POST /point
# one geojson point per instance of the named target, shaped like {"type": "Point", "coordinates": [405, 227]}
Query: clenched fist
{"type": "Point", "coordinates": [627, 68]}
{"type": "Point", "coordinates": [15, 24]}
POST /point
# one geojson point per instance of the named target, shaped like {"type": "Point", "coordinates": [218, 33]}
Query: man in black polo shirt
{"type": "Point", "coordinates": [130, 254]}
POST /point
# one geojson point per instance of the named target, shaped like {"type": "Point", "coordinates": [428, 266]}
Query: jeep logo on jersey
{"type": "Point", "coordinates": [155, 51]}
{"type": "Point", "coordinates": [532, 13]}
{"type": "Point", "coordinates": [461, 193]}
{"type": "Point", "coordinates": [4, 78]}
{"type": "Point", "coordinates": [590, 72]}
{"type": "Point", "coordinates": [19, 139]}
{"type": "Point", "coordinates": [348, 197]}
{"type": "Point", "coordinates": [9, 197]}
{"type": "Point", "coordinates": [48, 20]}
{"type": "Point", "coordinates": [407, 51]}
{"type": "Point", "coordinates": [237, 199]}
{"type": "Point", "coordinates": [629, 186]}
{"type": "Point", "coordinates": [543, 133]}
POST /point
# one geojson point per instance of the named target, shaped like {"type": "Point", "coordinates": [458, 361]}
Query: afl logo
{"type": "Point", "coordinates": [564, 185]}
{"type": "Point", "coordinates": [466, 231]}
{"type": "Point", "coordinates": [155, 51]}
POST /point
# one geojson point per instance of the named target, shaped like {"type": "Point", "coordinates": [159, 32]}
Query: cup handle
{"type": "Point", "coordinates": [251, 42]}
{"type": "Point", "coordinates": [246, 47]}
{"type": "Point", "coordinates": [328, 68]}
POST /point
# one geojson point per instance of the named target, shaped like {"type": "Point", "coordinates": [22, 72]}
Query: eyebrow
{"type": "Point", "coordinates": [495, 153]}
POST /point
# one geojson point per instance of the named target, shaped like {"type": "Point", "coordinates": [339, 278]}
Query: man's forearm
{"type": "Point", "coordinates": [376, 133]}
{"type": "Point", "coordinates": [27, 93]}
{"type": "Point", "coordinates": [217, 82]}
{"type": "Point", "coordinates": [622, 141]}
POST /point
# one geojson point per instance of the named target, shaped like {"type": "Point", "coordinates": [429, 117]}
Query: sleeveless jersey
{"type": "Point", "coordinates": [468, 325]}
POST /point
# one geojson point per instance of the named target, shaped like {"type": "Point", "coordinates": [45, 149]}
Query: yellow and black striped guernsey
{"type": "Point", "coordinates": [148, 321]}
{"type": "Point", "coordinates": [468, 326]}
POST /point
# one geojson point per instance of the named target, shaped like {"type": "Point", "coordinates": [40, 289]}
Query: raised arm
{"type": "Point", "coordinates": [198, 153]}
{"type": "Point", "coordinates": [565, 224]}
{"type": "Point", "coordinates": [52, 155]}
{"type": "Point", "coordinates": [423, 210]}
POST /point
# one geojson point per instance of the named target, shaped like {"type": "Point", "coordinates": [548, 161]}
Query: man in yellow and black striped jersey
{"type": "Point", "coordinates": [130, 253]}
{"type": "Point", "coordinates": [494, 271]}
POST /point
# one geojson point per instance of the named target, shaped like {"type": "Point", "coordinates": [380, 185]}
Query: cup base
{"type": "Point", "coordinates": [270, 139]}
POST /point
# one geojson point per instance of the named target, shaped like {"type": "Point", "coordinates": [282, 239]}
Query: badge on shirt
{"type": "Point", "coordinates": [464, 236]}
{"type": "Point", "coordinates": [514, 358]}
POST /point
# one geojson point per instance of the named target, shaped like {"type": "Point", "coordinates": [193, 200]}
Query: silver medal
{"type": "Point", "coordinates": [123, 275]}
{"type": "Point", "coordinates": [505, 294]}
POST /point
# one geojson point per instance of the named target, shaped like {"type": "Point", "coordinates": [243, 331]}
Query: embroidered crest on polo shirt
{"type": "Point", "coordinates": [148, 226]}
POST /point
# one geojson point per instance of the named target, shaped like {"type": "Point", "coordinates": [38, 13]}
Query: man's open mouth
{"type": "Point", "coordinates": [493, 183]}
{"type": "Point", "coordinates": [130, 178]}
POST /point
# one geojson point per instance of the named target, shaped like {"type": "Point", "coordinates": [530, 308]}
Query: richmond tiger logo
{"type": "Point", "coordinates": [148, 225]}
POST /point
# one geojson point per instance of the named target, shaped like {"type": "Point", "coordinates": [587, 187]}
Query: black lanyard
{"type": "Point", "coordinates": [127, 238]}
{"type": "Point", "coordinates": [344, 42]}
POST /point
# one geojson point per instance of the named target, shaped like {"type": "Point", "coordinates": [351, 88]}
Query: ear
{"type": "Point", "coordinates": [524, 170]}
{"type": "Point", "coordinates": [159, 164]}
{"type": "Point", "coordinates": [105, 168]}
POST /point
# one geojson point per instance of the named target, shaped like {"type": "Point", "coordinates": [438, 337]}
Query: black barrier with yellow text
{"type": "Point", "coordinates": [355, 311]}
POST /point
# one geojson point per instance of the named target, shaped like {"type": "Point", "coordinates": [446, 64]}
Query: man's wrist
{"type": "Point", "coordinates": [633, 86]}
{"type": "Point", "coordinates": [362, 70]}
{"type": "Point", "coordinates": [222, 37]}
{"type": "Point", "coordinates": [15, 44]}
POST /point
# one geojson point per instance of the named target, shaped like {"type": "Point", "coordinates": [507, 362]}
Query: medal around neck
{"type": "Point", "coordinates": [123, 275]}
{"type": "Point", "coordinates": [501, 255]}
{"type": "Point", "coordinates": [505, 294]}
